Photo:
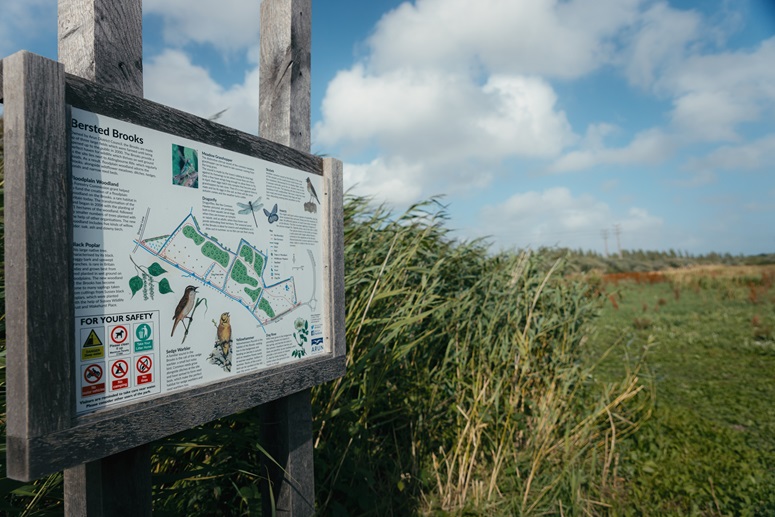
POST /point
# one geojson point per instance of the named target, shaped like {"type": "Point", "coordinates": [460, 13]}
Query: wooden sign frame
{"type": "Point", "coordinates": [44, 434]}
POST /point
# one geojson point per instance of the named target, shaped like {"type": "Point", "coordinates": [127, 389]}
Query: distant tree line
{"type": "Point", "coordinates": [648, 260]}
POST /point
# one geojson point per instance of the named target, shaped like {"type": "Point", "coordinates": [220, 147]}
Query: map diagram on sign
{"type": "Point", "coordinates": [237, 275]}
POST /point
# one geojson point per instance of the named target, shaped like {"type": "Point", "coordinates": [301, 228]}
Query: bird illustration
{"type": "Point", "coordinates": [184, 307]}
{"type": "Point", "coordinates": [224, 332]}
{"type": "Point", "coordinates": [312, 193]}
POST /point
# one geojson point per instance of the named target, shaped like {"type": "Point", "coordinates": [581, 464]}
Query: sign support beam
{"type": "Point", "coordinates": [284, 117]}
{"type": "Point", "coordinates": [102, 41]}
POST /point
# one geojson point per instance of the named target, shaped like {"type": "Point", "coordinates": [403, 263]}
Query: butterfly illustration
{"type": "Point", "coordinates": [272, 216]}
{"type": "Point", "coordinates": [251, 207]}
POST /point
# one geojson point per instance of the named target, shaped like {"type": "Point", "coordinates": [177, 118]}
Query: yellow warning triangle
{"type": "Point", "coordinates": [92, 340]}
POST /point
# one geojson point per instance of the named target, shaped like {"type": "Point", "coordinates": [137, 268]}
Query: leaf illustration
{"type": "Point", "coordinates": [135, 284]}
{"type": "Point", "coordinates": [155, 269]}
{"type": "Point", "coordinates": [164, 286]}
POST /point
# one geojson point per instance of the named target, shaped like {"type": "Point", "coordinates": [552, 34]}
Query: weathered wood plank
{"type": "Point", "coordinates": [91, 97]}
{"type": "Point", "coordinates": [1, 80]}
{"type": "Point", "coordinates": [104, 488]}
{"type": "Point", "coordinates": [85, 479]}
{"type": "Point", "coordinates": [286, 426]}
{"type": "Point", "coordinates": [285, 78]}
{"type": "Point", "coordinates": [38, 261]}
{"type": "Point", "coordinates": [111, 431]}
{"type": "Point", "coordinates": [333, 171]}
{"type": "Point", "coordinates": [284, 117]}
{"type": "Point", "coordinates": [101, 40]}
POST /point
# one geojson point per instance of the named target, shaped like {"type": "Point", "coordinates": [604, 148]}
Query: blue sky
{"type": "Point", "coordinates": [541, 122]}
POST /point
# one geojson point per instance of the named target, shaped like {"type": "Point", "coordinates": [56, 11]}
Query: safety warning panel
{"type": "Point", "coordinates": [119, 343]}
{"type": "Point", "coordinates": [92, 379]}
{"type": "Point", "coordinates": [119, 374]}
{"type": "Point", "coordinates": [117, 359]}
{"type": "Point", "coordinates": [144, 371]}
{"type": "Point", "coordinates": [92, 343]}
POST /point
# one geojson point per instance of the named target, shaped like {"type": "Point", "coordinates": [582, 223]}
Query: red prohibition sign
{"type": "Point", "coordinates": [119, 368]}
{"type": "Point", "coordinates": [144, 364]}
{"type": "Point", "coordinates": [118, 334]}
{"type": "Point", "coordinates": [92, 374]}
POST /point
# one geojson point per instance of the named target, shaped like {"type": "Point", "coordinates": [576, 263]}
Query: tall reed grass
{"type": "Point", "coordinates": [467, 387]}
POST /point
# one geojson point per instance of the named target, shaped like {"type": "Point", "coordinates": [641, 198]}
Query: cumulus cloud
{"type": "Point", "coordinates": [445, 124]}
{"type": "Point", "coordinates": [648, 147]}
{"type": "Point", "coordinates": [713, 94]}
{"type": "Point", "coordinates": [557, 217]}
{"type": "Point", "coordinates": [657, 40]}
{"type": "Point", "coordinates": [716, 93]}
{"type": "Point", "coordinates": [228, 25]}
{"type": "Point", "coordinates": [553, 39]}
{"type": "Point", "coordinates": [170, 78]}
{"type": "Point", "coordinates": [417, 114]}
{"type": "Point", "coordinates": [756, 155]}
{"type": "Point", "coordinates": [402, 182]}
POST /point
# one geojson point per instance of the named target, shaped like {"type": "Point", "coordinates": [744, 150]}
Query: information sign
{"type": "Point", "coordinates": [207, 259]}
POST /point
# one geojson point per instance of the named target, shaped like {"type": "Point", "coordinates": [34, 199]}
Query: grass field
{"type": "Point", "coordinates": [709, 339]}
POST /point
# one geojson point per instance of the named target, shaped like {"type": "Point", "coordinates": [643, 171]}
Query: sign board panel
{"type": "Point", "coordinates": [208, 259]}
{"type": "Point", "coordinates": [192, 261]}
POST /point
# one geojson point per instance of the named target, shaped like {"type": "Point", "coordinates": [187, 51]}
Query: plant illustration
{"type": "Point", "coordinates": [302, 330]}
{"type": "Point", "coordinates": [146, 278]}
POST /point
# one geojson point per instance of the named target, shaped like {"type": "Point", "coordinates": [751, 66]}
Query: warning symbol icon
{"type": "Point", "coordinates": [92, 347]}
{"type": "Point", "coordinates": [92, 340]}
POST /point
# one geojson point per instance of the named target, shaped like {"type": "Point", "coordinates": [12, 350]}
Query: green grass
{"type": "Point", "coordinates": [709, 448]}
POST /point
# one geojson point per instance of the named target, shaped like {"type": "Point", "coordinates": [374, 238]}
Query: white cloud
{"type": "Point", "coordinates": [699, 179]}
{"type": "Point", "coordinates": [401, 182]}
{"type": "Point", "coordinates": [554, 39]}
{"type": "Point", "coordinates": [421, 114]}
{"type": "Point", "coordinates": [443, 123]}
{"type": "Point", "coordinates": [756, 155]}
{"type": "Point", "coordinates": [390, 182]}
{"type": "Point", "coordinates": [648, 147]}
{"type": "Point", "coordinates": [170, 78]}
{"type": "Point", "coordinates": [228, 25]}
{"type": "Point", "coordinates": [713, 94]}
{"type": "Point", "coordinates": [556, 217]}
{"type": "Point", "coordinates": [658, 40]}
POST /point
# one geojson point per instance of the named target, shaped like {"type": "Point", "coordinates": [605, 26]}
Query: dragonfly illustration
{"type": "Point", "coordinates": [272, 216]}
{"type": "Point", "coordinates": [251, 207]}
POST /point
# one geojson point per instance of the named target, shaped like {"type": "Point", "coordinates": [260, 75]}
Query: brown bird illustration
{"type": "Point", "coordinates": [224, 333]}
{"type": "Point", "coordinates": [184, 307]}
{"type": "Point", "coordinates": [312, 193]}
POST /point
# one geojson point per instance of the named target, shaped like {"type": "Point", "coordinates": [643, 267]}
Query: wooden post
{"type": "Point", "coordinates": [284, 117]}
{"type": "Point", "coordinates": [38, 251]}
{"type": "Point", "coordinates": [102, 40]}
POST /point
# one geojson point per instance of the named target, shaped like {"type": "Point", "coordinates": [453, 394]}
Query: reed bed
{"type": "Point", "coordinates": [467, 387]}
